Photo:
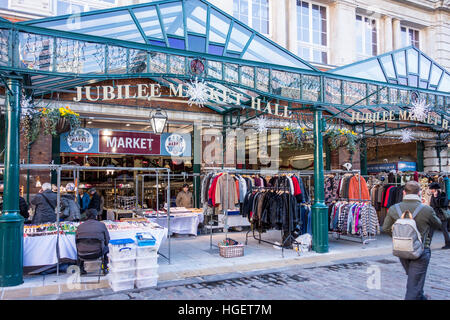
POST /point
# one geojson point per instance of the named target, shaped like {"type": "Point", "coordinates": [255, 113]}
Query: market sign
{"type": "Point", "coordinates": [389, 116]}
{"type": "Point", "coordinates": [123, 142]}
{"type": "Point", "coordinates": [386, 167]}
{"type": "Point", "coordinates": [105, 141]}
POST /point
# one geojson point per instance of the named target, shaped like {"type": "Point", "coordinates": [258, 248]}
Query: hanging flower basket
{"type": "Point", "coordinates": [297, 137]}
{"type": "Point", "coordinates": [60, 120]}
{"type": "Point", "coordinates": [63, 125]}
{"type": "Point", "coordinates": [340, 138]}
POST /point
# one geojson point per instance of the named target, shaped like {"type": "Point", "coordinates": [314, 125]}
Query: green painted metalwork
{"type": "Point", "coordinates": [420, 155]}
{"type": "Point", "coordinates": [11, 222]}
{"type": "Point", "coordinates": [319, 209]}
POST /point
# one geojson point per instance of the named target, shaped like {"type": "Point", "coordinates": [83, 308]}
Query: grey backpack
{"type": "Point", "coordinates": [406, 239]}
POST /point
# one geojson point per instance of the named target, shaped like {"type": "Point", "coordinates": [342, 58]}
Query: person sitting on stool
{"type": "Point", "coordinates": [93, 229]}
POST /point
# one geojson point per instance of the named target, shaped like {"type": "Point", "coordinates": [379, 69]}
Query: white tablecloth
{"type": "Point", "coordinates": [41, 251]}
{"type": "Point", "coordinates": [181, 224]}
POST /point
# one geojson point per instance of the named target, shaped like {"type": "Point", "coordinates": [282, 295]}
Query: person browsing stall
{"type": "Point", "coordinates": [95, 201]}
{"type": "Point", "coordinates": [184, 197]}
{"type": "Point", "coordinates": [45, 203]}
{"type": "Point", "coordinates": [83, 199]}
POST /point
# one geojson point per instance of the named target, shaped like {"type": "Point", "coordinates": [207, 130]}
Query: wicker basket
{"type": "Point", "coordinates": [231, 251]}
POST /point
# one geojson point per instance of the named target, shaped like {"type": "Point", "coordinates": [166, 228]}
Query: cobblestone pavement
{"type": "Point", "coordinates": [354, 279]}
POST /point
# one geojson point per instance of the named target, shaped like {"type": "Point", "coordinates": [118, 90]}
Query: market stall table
{"type": "Point", "coordinates": [41, 250]}
{"type": "Point", "coordinates": [182, 221]}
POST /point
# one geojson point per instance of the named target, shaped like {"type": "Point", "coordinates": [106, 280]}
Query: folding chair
{"type": "Point", "coordinates": [91, 250]}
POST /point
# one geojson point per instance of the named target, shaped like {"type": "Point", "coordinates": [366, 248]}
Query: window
{"type": "Point", "coordinates": [410, 37]}
{"type": "Point", "coordinates": [312, 32]}
{"type": "Point", "coordinates": [65, 7]}
{"type": "Point", "coordinates": [254, 13]}
{"type": "Point", "coordinates": [366, 37]}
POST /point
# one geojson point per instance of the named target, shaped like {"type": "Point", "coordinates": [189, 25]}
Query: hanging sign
{"type": "Point", "coordinates": [389, 116]}
{"type": "Point", "coordinates": [105, 141]}
{"type": "Point", "coordinates": [124, 142]}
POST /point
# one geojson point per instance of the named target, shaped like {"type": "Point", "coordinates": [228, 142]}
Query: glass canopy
{"type": "Point", "coordinates": [408, 66]}
{"type": "Point", "coordinates": [192, 25]}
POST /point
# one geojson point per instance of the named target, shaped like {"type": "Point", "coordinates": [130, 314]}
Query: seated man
{"type": "Point", "coordinates": [92, 229]}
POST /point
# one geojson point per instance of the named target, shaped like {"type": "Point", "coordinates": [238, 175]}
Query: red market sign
{"type": "Point", "coordinates": [124, 142]}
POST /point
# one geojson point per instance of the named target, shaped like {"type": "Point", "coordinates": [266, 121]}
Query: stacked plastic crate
{"type": "Point", "coordinates": [146, 261]}
{"type": "Point", "coordinates": [122, 264]}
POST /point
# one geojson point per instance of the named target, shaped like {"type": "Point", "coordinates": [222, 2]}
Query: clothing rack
{"type": "Point", "coordinates": [209, 170]}
{"type": "Point", "coordinates": [348, 237]}
{"type": "Point", "coordinates": [290, 236]}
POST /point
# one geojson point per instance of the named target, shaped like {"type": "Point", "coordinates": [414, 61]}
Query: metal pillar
{"type": "Point", "coordinates": [363, 156]}
{"type": "Point", "coordinates": [319, 209]}
{"type": "Point", "coordinates": [327, 154]}
{"type": "Point", "coordinates": [420, 155]}
{"type": "Point", "coordinates": [11, 222]}
{"type": "Point", "coordinates": [197, 164]}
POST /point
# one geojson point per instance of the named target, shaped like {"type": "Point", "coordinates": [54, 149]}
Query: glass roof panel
{"type": "Point", "coordinates": [196, 16]}
{"type": "Point", "coordinates": [436, 73]}
{"type": "Point", "coordinates": [424, 67]}
{"type": "Point", "coordinates": [239, 38]}
{"type": "Point", "coordinates": [388, 66]}
{"type": "Point", "coordinates": [219, 26]}
{"type": "Point", "coordinates": [400, 63]}
{"type": "Point", "coordinates": [149, 21]}
{"type": "Point", "coordinates": [413, 61]}
{"type": "Point", "coordinates": [445, 83]}
{"type": "Point", "coordinates": [261, 50]}
{"type": "Point", "coordinates": [172, 16]}
{"type": "Point", "coordinates": [116, 24]}
{"type": "Point", "coordinates": [370, 70]}
{"type": "Point", "coordinates": [171, 26]}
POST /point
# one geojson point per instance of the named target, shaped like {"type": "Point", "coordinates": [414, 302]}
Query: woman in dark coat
{"type": "Point", "coordinates": [439, 202]}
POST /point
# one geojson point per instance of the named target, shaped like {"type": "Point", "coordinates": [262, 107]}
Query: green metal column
{"type": "Point", "coordinates": [327, 154]}
{"type": "Point", "coordinates": [197, 164]}
{"type": "Point", "coordinates": [319, 209]}
{"type": "Point", "coordinates": [11, 222]}
{"type": "Point", "coordinates": [363, 156]}
{"type": "Point", "coordinates": [420, 155]}
{"type": "Point", "coordinates": [56, 157]}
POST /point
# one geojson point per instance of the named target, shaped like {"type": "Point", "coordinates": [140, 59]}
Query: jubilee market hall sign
{"type": "Point", "coordinates": [389, 116]}
{"type": "Point", "coordinates": [152, 91]}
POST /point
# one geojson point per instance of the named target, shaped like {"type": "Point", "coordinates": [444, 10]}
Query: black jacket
{"type": "Point", "coordinates": [92, 229]}
{"type": "Point", "coordinates": [95, 202]}
{"type": "Point", "coordinates": [45, 207]}
{"type": "Point", "coordinates": [439, 203]}
{"type": "Point", "coordinates": [23, 208]}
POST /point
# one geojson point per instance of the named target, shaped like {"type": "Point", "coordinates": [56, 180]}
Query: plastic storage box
{"type": "Point", "coordinates": [123, 274]}
{"type": "Point", "coordinates": [121, 264]}
{"type": "Point", "coordinates": [146, 262]}
{"type": "Point", "coordinates": [147, 272]}
{"type": "Point", "coordinates": [149, 251]}
{"type": "Point", "coordinates": [122, 285]}
{"type": "Point", "coordinates": [145, 239]}
{"type": "Point", "coordinates": [146, 282]}
{"type": "Point", "coordinates": [122, 249]}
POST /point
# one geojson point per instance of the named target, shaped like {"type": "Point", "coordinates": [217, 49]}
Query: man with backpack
{"type": "Point", "coordinates": [411, 224]}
